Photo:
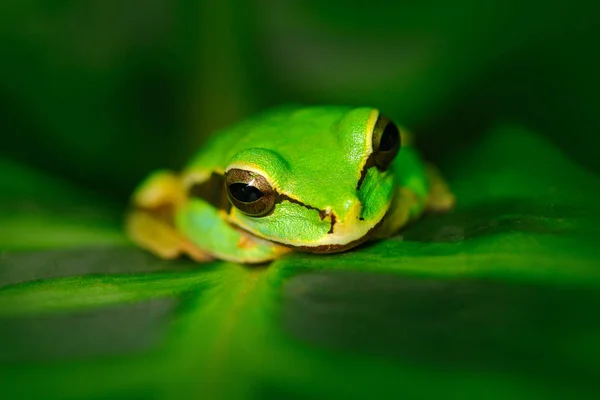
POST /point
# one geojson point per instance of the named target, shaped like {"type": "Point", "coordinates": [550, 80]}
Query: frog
{"type": "Point", "coordinates": [317, 179]}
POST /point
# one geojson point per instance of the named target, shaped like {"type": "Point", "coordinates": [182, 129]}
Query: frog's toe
{"type": "Point", "coordinates": [161, 188]}
{"type": "Point", "coordinates": [440, 198]}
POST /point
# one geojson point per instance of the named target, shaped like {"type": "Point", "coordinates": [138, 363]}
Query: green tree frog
{"type": "Point", "coordinates": [318, 179]}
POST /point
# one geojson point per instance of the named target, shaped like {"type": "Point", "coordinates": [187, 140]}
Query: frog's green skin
{"type": "Point", "coordinates": [313, 158]}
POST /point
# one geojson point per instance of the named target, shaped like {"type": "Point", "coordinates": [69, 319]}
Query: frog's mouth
{"type": "Point", "coordinates": [343, 234]}
{"type": "Point", "coordinates": [338, 247]}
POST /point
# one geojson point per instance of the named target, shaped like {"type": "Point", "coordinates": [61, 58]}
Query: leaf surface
{"type": "Point", "coordinates": [498, 299]}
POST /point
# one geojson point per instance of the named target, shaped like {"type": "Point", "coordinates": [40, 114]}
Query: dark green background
{"type": "Point", "coordinates": [498, 299]}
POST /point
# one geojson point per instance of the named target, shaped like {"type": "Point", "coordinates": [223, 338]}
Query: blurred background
{"type": "Point", "coordinates": [103, 91]}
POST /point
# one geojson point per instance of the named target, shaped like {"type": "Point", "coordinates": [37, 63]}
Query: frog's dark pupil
{"type": "Point", "coordinates": [245, 193]}
{"type": "Point", "coordinates": [389, 138]}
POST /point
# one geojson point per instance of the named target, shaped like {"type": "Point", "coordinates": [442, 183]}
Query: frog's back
{"type": "Point", "coordinates": [291, 131]}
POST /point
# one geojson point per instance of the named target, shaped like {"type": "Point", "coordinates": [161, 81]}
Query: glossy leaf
{"type": "Point", "coordinates": [498, 299]}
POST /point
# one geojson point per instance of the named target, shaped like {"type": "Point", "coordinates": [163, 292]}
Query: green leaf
{"type": "Point", "coordinates": [497, 299]}
{"type": "Point", "coordinates": [37, 211]}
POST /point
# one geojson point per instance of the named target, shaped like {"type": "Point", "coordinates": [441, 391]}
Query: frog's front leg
{"type": "Point", "coordinates": [439, 198]}
{"type": "Point", "coordinates": [170, 220]}
{"type": "Point", "coordinates": [150, 224]}
{"type": "Point", "coordinates": [210, 227]}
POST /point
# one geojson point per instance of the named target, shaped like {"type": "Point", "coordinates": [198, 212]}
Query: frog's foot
{"type": "Point", "coordinates": [150, 224]}
{"type": "Point", "coordinates": [152, 233]}
{"type": "Point", "coordinates": [405, 207]}
{"type": "Point", "coordinates": [440, 198]}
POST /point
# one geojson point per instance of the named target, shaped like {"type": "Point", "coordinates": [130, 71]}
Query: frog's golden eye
{"type": "Point", "coordinates": [386, 142]}
{"type": "Point", "coordinates": [249, 192]}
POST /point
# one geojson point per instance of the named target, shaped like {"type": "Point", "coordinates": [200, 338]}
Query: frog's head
{"type": "Point", "coordinates": [319, 179]}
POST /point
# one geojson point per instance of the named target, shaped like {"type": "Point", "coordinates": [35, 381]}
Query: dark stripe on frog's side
{"type": "Point", "coordinates": [213, 191]}
{"type": "Point", "coordinates": [363, 173]}
{"type": "Point", "coordinates": [333, 220]}
{"type": "Point", "coordinates": [322, 213]}
{"type": "Point", "coordinates": [281, 197]}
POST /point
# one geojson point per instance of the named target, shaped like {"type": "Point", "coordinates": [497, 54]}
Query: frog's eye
{"type": "Point", "coordinates": [249, 192]}
{"type": "Point", "coordinates": [386, 142]}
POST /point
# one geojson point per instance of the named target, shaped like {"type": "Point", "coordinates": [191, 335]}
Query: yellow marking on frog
{"type": "Point", "coordinates": [372, 121]}
{"type": "Point", "coordinates": [406, 138]}
{"type": "Point", "coordinates": [159, 237]}
{"type": "Point", "coordinates": [406, 205]}
{"type": "Point", "coordinates": [162, 188]}
{"type": "Point", "coordinates": [246, 241]}
{"type": "Point", "coordinates": [194, 176]}
{"type": "Point", "coordinates": [440, 198]}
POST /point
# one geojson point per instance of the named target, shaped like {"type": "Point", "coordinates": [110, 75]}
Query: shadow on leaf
{"type": "Point", "coordinates": [494, 217]}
